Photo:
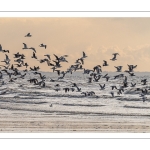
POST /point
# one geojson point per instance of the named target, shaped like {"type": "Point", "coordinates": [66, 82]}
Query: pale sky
{"type": "Point", "coordinates": [97, 37]}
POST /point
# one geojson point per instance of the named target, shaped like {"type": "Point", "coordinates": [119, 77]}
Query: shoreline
{"type": "Point", "coordinates": [51, 124]}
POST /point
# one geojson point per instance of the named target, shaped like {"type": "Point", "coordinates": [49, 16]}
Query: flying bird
{"type": "Point", "coordinates": [48, 56]}
{"type": "Point", "coordinates": [105, 63]}
{"type": "Point", "coordinates": [28, 35]}
{"type": "Point", "coordinates": [42, 45]}
{"type": "Point", "coordinates": [119, 68]}
{"type": "Point", "coordinates": [25, 46]}
{"type": "Point", "coordinates": [114, 58]}
{"type": "Point", "coordinates": [102, 87]}
{"type": "Point", "coordinates": [34, 56]}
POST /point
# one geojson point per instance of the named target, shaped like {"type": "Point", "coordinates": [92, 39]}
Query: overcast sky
{"type": "Point", "coordinates": [97, 37]}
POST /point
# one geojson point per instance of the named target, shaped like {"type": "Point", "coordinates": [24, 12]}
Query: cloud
{"type": "Point", "coordinates": [97, 37]}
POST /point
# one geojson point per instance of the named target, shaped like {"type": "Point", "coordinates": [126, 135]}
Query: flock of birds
{"type": "Point", "coordinates": [95, 74]}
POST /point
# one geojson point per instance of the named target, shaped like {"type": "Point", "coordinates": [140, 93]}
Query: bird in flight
{"type": "Point", "coordinates": [28, 35]}
{"type": "Point", "coordinates": [43, 45]}
{"type": "Point", "coordinates": [114, 58]}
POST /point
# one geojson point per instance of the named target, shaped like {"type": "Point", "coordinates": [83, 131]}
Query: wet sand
{"type": "Point", "coordinates": [50, 124]}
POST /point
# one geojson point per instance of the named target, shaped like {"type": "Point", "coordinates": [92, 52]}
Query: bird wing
{"type": "Point", "coordinates": [100, 85]}
{"type": "Point", "coordinates": [56, 57]}
{"type": "Point", "coordinates": [7, 58]}
{"type": "Point", "coordinates": [83, 54]}
{"type": "Point", "coordinates": [114, 56]}
{"type": "Point", "coordinates": [82, 61]}
{"type": "Point", "coordinates": [105, 75]}
{"type": "Point", "coordinates": [33, 49]}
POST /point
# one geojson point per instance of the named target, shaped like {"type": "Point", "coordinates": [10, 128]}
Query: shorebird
{"type": "Point", "coordinates": [7, 60]}
{"type": "Point", "coordinates": [85, 93]}
{"type": "Point", "coordinates": [102, 87]}
{"type": "Point", "coordinates": [34, 56]}
{"type": "Point", "coordinates": [112, 94]}
{"type": "Point", "coordinates": [28, 35]}
{"type": "Point", "coordinates": [105, 63]}
{"type": "Point", "coordinates": [144, 81]}
{"type": "Point", "coordinates": [144, 91]}
{"type": "Point", "coordinates": [66, 90]}
{"type": "Point", "coordinates": [78, 89]}
{"type": "Point", "coordinates": [25, 46]}
{"type": "Point", "coordinates": [113, 87]}
{"type": "Point", "coordinates": [119, 68]}
{"type": "Point", "coordinates": [133, 85]}
{"type": "Point", "coordinates": [17, 55]}
{"type": "Point", "coordinates": [131, 67]}
{"type": "Point", "coordinates": [26, 65]}
{"type": "Point", "coordinates": [42, 45]}
{"type": "Point", "coordinates": [90, 80]}
{"type": "Point", "coordinates": [106, 76]}
{"type": "Point", "coordinates": [97, 69]}
{"type": "Point", "coordinates": [34, 80]}
{"type": "Point", "coordinates": [114, 58]}
{"type": "Point", "coordinates": [5, 51]}
{"type": "Point", "coordinates": [125, 84]}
